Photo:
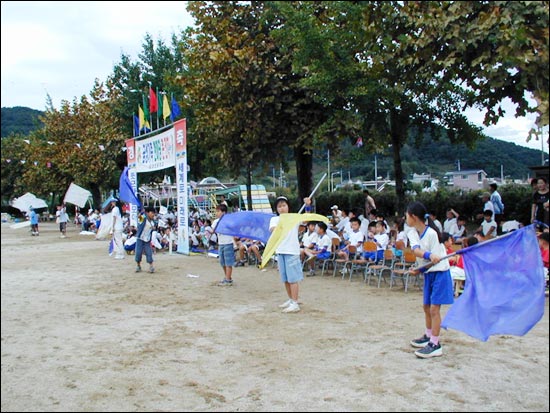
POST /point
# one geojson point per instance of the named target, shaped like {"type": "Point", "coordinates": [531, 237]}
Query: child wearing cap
{"type": "Point", "coordinates": [288, 258]}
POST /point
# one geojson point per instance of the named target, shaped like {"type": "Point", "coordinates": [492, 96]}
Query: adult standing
{"type": "Point", "coordinates": [370, 205]}
{"type": "Point", "coordinates": [540, 206]}
{"type": "Point", "coordinates": [498, 206]}
{"type": "Point", "coordinates": [116, 230]}
{"type": "Point", "coordinates": [487, 204]}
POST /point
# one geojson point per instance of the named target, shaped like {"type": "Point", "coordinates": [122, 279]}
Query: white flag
{"type": "Point", "coordinates": [77, 195]}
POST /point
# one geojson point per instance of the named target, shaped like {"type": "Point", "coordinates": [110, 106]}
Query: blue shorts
{"type": "Point", "coordinates": [438, 288]}
{"type": "Point", "coordinates": [325, 255]}
{"type": "Point", "coordinates": [375, 256]}
{"type": "Point", "coordinates": [290, 268]}
{"type": "Point", "coordinates": [227, 255]}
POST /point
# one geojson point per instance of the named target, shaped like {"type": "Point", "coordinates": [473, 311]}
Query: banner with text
{"type": "Point", "coordinates": [157, 152]}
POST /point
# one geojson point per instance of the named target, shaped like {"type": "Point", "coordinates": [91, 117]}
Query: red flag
{"type": "Point", "coordinates": [153, 103]}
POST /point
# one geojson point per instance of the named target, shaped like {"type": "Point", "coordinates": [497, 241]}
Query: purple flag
{"type": "Point", "coordinates": [504, 291]}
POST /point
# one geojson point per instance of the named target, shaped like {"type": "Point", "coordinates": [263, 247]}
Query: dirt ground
{"type": "Point", "coordinates": [83, 332]}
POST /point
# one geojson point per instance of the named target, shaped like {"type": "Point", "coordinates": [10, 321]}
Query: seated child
{"type": "Point", "coordinates": [457, 270]}
{"type": "Point", "coordinates": [322, 249]}
{"type": "Point", "coordinates": [356, 238]}
{"type": "Point", "coordinates": [381, 239]}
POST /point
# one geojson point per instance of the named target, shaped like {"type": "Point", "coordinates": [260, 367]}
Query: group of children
{"type": "Point", "coordinates": [428, 243]}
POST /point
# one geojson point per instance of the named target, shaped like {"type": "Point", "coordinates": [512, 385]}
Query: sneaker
{"type": "Point", "coordinates": [311, 273]}
{"type": "Point", "coordinates": [292, 308]}
{"type": "Point", "coordinates": [420, 342]}
{"type": "Point", "coordinates": [151, 269]}
{"type": "Point", "coordinates": [138, 268]}
{"type": "Point", "coordinates": [285, 304]}
{"type": "Point", "coordinates": [225, 283]}
{"type": "Point", "coordinates": [429, 351]}
{"type": "Point", "coordinates": [119, 257]}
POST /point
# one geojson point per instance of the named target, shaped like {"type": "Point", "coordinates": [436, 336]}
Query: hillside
{"type": "Point", "coordinates": [19, 120]}
{"type": "Point", "coordinates": [435, 157]}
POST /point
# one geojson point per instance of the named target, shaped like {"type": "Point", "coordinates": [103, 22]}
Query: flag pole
{"type": "Point", "coordinates": [158, 125]}
{"type": "Point", "coordinates": [463, 250]}
{"type": "Point", "coordinates": [313, 192]}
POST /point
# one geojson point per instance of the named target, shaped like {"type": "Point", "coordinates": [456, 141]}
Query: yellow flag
{"type": "Point", "coordinates": [165, 108]}
{"type": "Point", "coordinates": [285, 225]}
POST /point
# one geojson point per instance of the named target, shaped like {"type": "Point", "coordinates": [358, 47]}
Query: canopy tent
{"type": "Point", "coordinates": [26, 202]}
{"type": "Point", "coordinates": [77, 195]}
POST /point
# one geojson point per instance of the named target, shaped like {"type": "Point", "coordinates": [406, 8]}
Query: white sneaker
{"type": "Point", "coordinates": [285, 304]}
{"type": "Point", "coordinates": [120, 257]}
{"type": "Point", "coordinates": [292, 308]}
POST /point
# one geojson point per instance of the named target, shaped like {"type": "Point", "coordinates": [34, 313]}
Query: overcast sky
{"type": "Point", "coordinates": [60, 48]}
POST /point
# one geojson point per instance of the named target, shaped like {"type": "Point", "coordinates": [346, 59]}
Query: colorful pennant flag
{"type": "Point", "coordinates": [143, 121]}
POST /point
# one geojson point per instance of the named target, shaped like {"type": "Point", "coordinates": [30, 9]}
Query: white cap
{"type": "Point", "coordinates": [334, 207]}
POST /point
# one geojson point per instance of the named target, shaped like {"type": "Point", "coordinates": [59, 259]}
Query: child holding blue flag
{"type": "Point", "coordinates": [225, 249]}
{"type": "Point", "coordinates": [425, 241]}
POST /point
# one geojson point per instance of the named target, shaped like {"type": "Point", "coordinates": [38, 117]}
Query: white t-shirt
{"type": "Point", "coordinates": [383, 240]}
{"type": "Point", "coordinates": [449, 225]}
{"type": "Point", "coordinates": [309, 239]}
{"type": "Point", "coordinates": [324, 243]}
{"type": "Point", "coordinates": [486, 226]}
{"type": "Point", "coordinates": [428, 241]}
{"type": "Point", "coordinates": [222, 238]}
{"type": "Point", "coordinates": [117, 218]}
{"type": "Point", "coordinates": [489, 206]}
{"type": "Point", "coordinates": [356, 239]}
{"type": "Point", "coordinates": [290, 244]}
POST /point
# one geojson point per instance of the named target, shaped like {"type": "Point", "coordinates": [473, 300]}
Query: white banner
{"type": "Point", "coordinates": [157, 152]}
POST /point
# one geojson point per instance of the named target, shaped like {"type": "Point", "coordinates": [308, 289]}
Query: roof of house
{"type": "Point", "coordinates": [466, 172]}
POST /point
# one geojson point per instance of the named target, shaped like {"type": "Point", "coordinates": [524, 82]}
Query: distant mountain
{"type": "Point", "coordinates": [436, 158]}
{"type": "Point", "coordinates": [20, 120]}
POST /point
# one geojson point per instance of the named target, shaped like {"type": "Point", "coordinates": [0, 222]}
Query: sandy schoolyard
{"type": "Point", "coordinates": [83, 332]}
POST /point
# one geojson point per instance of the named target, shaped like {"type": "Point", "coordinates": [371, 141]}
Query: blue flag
{"type": "Point", "coordinates": [246, 224]}
{"type": "Point", "coordinates": [176, 111]}
{"type": "Point", "coordinates": [136, 126]}
{"type": "Point", "coordinates": [504, 291]}
{"type": "Point", "coordinates": [125, 190]}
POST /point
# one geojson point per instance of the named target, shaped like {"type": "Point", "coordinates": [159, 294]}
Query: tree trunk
{"type": "Point", "coordinates": [249, 187]}
{"type": "Point", "coordinates": [398, 128]}
{"type": "Point", "coordinates": [304, 172]}
{"type": "Point", "coordinates": [96, 195]}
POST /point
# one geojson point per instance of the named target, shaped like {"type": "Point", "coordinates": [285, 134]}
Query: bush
{"type": "Point", "coordinates": [517, 201]}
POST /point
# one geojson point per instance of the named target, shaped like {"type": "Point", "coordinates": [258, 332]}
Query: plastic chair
{"type": "Point", "coordinates": [363, 263]}
{"type": "Point", "coordinates": [378, 269]}
{"type": "Point", "coordinates": [352, 251]}
{"type": "Point", "coordinates": [403, 270]}
{"type": "Point", "coordinates": [333, 256]}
